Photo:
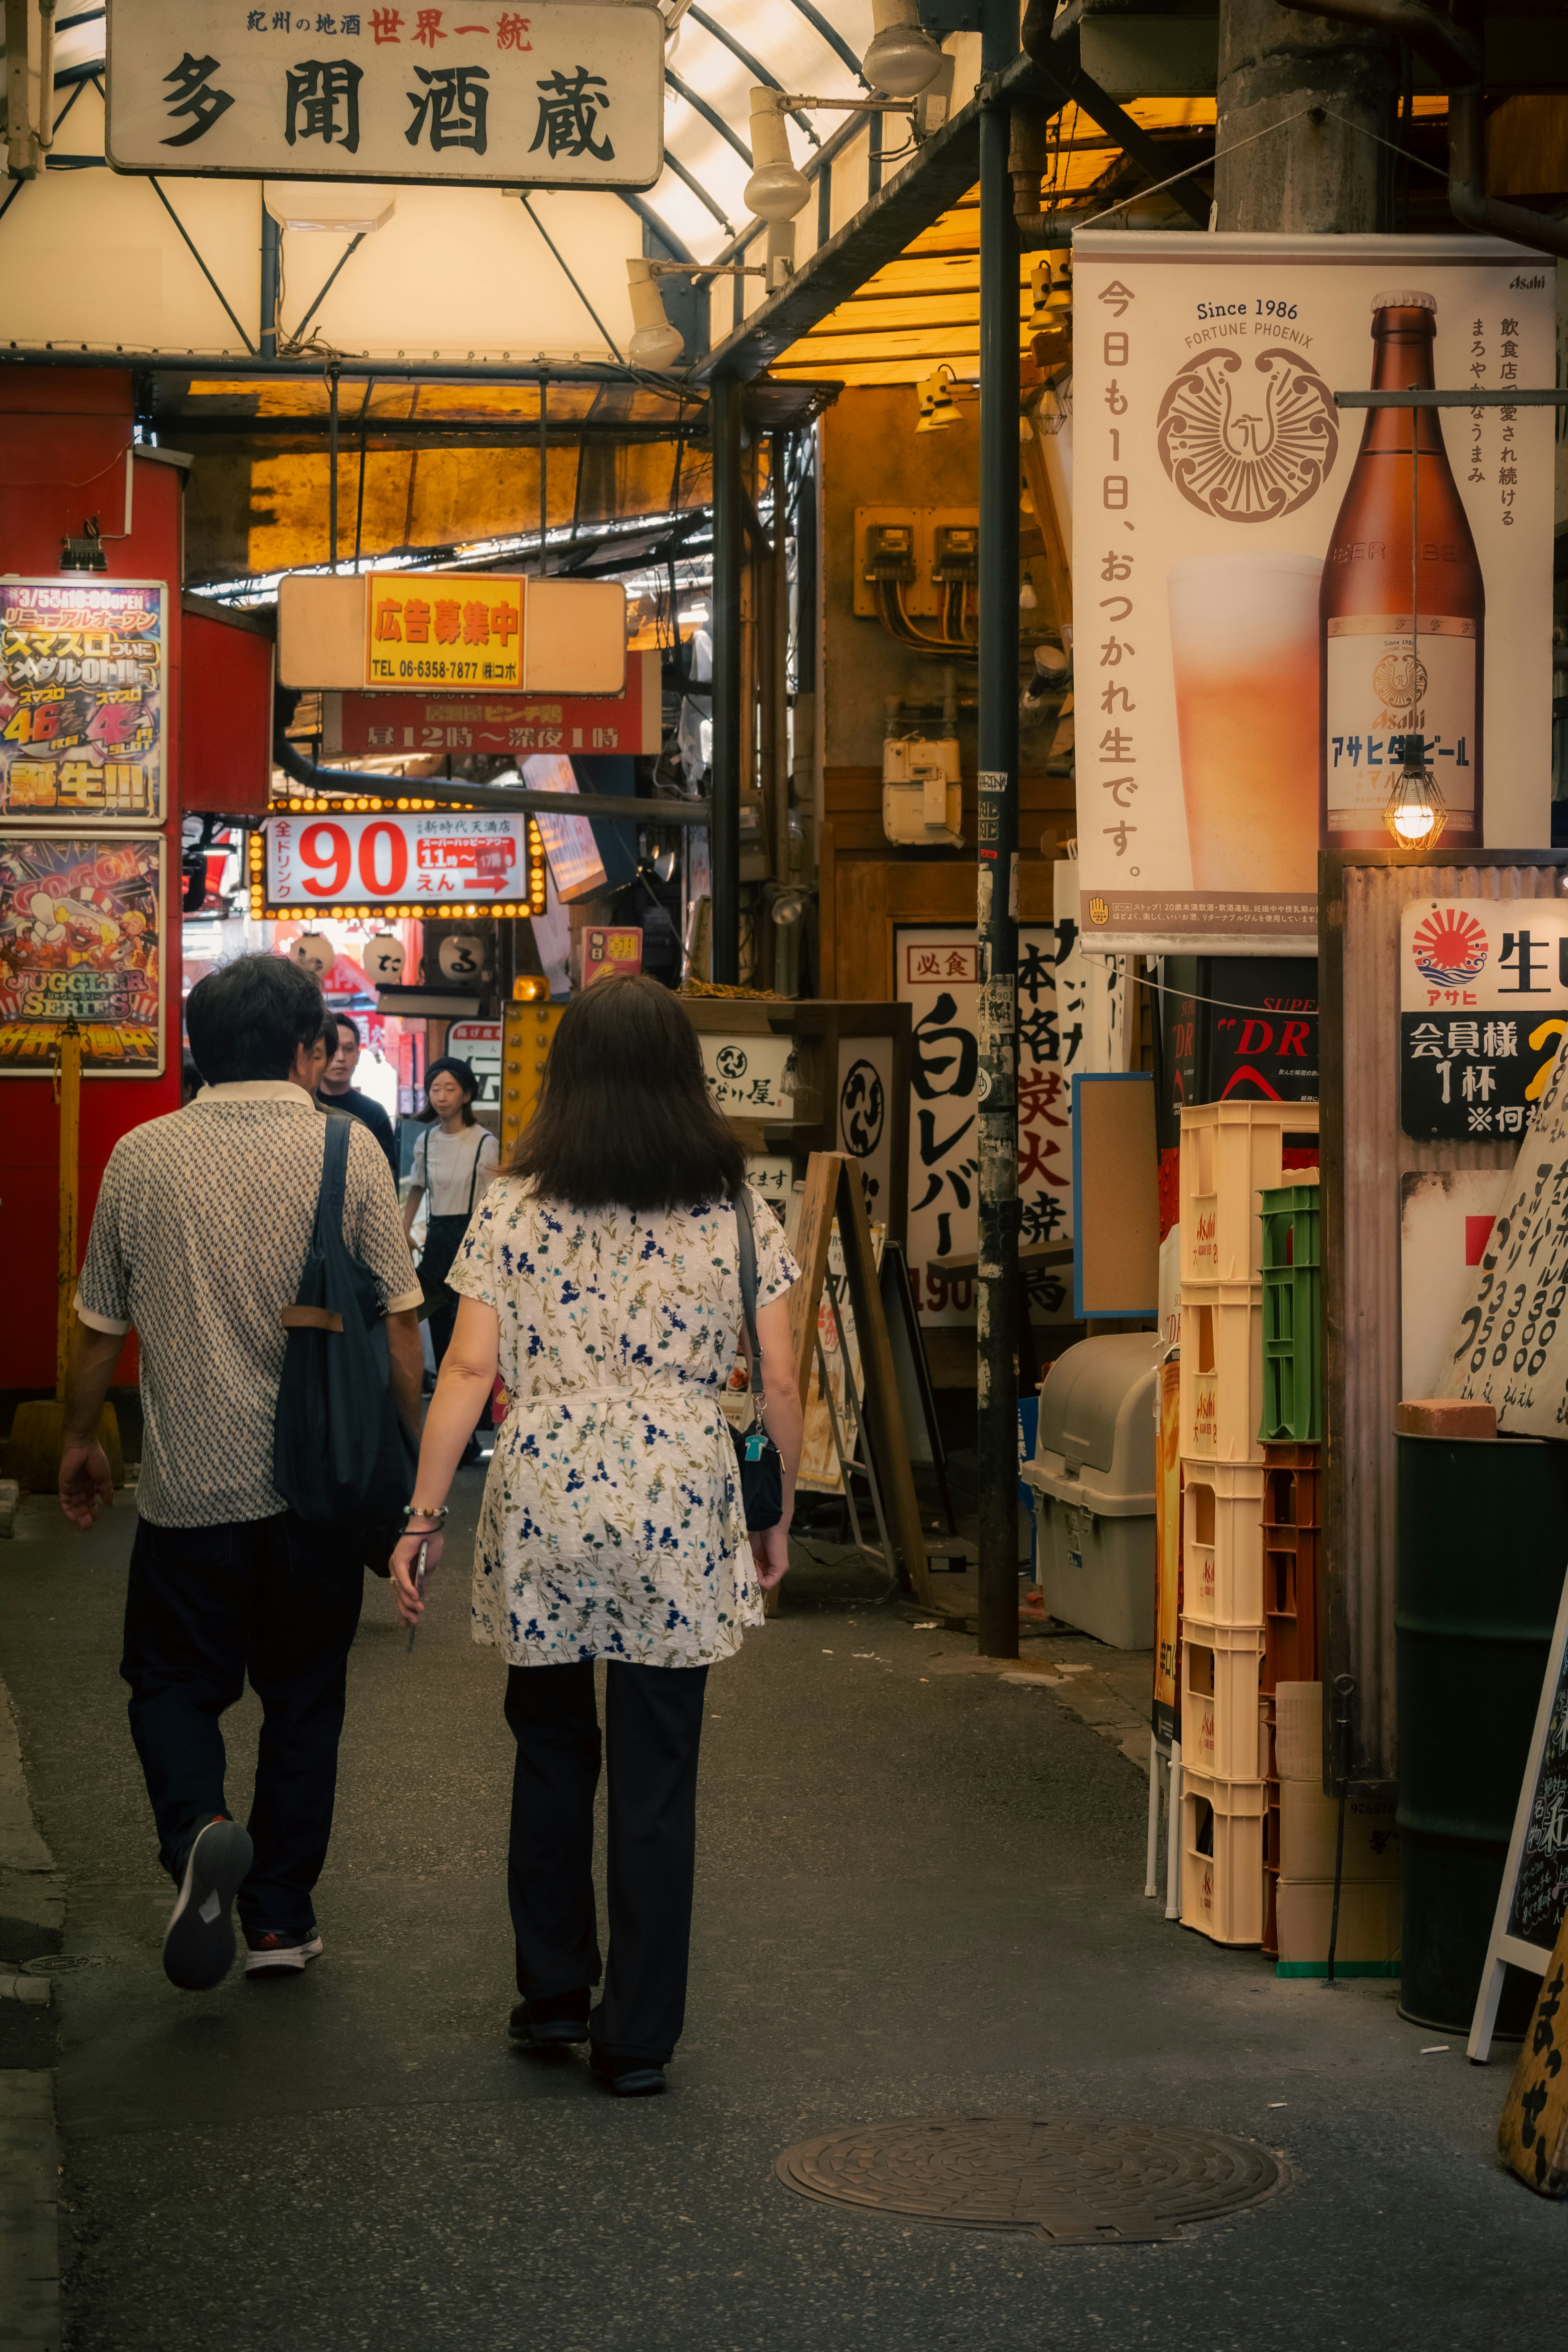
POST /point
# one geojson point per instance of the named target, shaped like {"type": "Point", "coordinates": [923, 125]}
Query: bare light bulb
{"type": "Point", "coordinates": [1415, 812]}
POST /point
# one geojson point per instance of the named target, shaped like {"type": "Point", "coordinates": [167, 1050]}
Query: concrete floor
{"type": "Point", "coordinates": [920, 1893]}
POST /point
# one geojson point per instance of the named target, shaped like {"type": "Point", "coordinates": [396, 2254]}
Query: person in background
{"type": "Point", "coordinates": [453, 1160]}
{"type": "Point", "coordinates": [603, 1275]}
{"type": "Point", "coordinates": [198, 1242]}
{"type": "Point", "coordinates": [338, 1092]}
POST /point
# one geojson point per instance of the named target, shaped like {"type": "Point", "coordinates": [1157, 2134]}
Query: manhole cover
{"type": "Point", "coordinates": [60, 1964]}
{"type": "Point", "coordinates": [1078, 2183]}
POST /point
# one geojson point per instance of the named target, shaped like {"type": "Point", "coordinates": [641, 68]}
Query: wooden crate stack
{"type": "Point", "coordinates": [1230, 1152]}
{"type": "Point", "coordinates": [1291, 1540]}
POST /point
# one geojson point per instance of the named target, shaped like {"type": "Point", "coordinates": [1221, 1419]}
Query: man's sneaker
{"type": "Point", "coordinates": [276, 1956]}
{"type": "Point", "coordinates": [199, 1949]}
{"type": "Point", "coordinates": [553, 2024]}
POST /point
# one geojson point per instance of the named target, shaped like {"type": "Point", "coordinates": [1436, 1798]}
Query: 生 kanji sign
{"type": "Point", "coordinates": [569, 94]}
{"type": "Point", "coordinates": [1483, 1008]}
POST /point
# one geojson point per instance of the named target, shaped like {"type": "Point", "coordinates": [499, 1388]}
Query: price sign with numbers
{"type": "Point", "coordinates": [436, 862]}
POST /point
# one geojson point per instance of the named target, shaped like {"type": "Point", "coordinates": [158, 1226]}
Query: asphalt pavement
{"type": "Point", "coordinates": [920, 1893]}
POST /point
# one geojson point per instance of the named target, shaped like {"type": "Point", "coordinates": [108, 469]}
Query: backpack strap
{"type": "Point", "coordinates": [747, 1240]}
{"type": "Point", "coordinates": [473, 1177]}
{"type": "Point", "coordinates": [334, 1176]}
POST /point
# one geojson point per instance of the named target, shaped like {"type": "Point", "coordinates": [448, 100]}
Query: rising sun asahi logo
{"type": "Point", "coordinates": [1248, 443]}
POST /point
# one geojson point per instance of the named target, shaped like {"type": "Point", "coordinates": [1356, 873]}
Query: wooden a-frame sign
{"type": "Point", "coordinates": [833, 1191]}
{"type": "Point", "coordinates": [1532, 1901]}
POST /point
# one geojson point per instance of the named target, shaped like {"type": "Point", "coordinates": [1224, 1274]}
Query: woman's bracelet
{"type": "Point", "coordinates": [425, 1511]}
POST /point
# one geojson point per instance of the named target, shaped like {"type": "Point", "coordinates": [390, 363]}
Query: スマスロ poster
{"type": "Point", "coordinates": [81, 700]}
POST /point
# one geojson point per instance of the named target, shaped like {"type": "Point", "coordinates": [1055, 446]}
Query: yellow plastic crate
{"type": "Point", "coordinates": [1230, 1152]}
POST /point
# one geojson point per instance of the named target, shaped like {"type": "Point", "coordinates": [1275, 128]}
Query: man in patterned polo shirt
{"type": "Point", "coordinates": [199, 1241]}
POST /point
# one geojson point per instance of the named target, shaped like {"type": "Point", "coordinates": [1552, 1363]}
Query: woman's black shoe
{"type": "Point", "coordinates": [553, 2024]}
{"type": "Point", "coordinates": [628, 2078]}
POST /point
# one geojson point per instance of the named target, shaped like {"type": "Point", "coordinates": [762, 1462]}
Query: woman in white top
{"type": "Point", "coordinates": [602, 1275]}
{"type": "Point", "coordinates": [453, 1160]}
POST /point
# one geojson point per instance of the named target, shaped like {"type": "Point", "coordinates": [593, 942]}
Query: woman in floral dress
{"type": "Point", "coordinates": [601, 1276]}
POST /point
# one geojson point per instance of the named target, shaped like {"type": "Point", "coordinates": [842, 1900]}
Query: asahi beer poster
{"type": "Point", "coordinates": [1247, 676]}
{"type": "Point", "coordinates": [81, 700]}
{"type": "Point", "coordinates": [81, 938]}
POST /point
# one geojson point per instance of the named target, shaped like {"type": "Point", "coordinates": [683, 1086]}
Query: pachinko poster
{"type": "Point", "coordinates": [81, 936]}
{"type": "Point", "coordinates": [81, 700]}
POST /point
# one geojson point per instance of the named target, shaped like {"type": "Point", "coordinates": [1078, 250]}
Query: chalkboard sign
{"type": "Point", "coordinates": [1534, 1893]}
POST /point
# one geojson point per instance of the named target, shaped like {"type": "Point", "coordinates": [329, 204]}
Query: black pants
{"type": "Point", "coordinates": [653, 1721]}
{"type": "Point", "coordinates": [206, 1606]}
{"type": "Point", "coordinates": [443, 1240]}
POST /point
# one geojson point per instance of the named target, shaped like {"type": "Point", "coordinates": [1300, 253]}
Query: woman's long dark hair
{"type": "Point", "coordinates": [625, 1115]}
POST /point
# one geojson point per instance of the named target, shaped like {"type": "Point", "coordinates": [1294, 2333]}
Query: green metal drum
{"type": "Point", "coordinates": [1483, 1548]}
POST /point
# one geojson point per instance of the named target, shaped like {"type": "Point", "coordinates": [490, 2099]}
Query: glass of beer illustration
{"type": "Point", "coordinates": [1244, 652]}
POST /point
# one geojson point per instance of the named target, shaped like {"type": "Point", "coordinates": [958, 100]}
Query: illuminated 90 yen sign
{"type": "Point", "coordinates": [441, 862]}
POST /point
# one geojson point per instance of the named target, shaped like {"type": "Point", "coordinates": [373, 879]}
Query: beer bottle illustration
{"type": "Point", "coordinates": [1391, 663]}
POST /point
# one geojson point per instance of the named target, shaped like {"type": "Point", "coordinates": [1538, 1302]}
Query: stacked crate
{"type": "Point", "coordinates": [1230, 1154]}
{"type": "Point", "coordinates": [1292, 1518]}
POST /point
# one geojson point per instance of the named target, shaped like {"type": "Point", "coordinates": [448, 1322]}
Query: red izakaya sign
{"type": "Point", "coordinates": [496, 725]}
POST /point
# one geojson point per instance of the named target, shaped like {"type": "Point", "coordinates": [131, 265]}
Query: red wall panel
{"type": "Point", "coordinates": [226, 715]}
{"type": "Point", "coordinates": [63, 434]}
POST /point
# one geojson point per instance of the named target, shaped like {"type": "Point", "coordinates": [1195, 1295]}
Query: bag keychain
{"type": "Point", "coordinates": [761, 1468]}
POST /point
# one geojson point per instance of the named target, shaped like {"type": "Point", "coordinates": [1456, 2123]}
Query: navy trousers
{"type": "Point", "coordinates": [653, 1723]}
{"type": "Point", "coordinates": [205, 1608]}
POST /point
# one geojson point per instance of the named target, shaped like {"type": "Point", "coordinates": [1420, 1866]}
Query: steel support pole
{"type": "Point", "coordinates": [996, 1289]}
{"type": "Point", "coordinates": [725, 841]}
{"type": "Point", "coordinates": [271, 234]}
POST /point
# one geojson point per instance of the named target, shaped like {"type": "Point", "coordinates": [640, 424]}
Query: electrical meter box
{"type": "Point", "coordinates": [922, 552]}
{"type": "Point", "coordinates": [921, 800]}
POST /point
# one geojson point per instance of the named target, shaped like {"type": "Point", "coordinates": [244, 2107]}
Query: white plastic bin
{"type": "Point", "coordinates": [1092, 1479]}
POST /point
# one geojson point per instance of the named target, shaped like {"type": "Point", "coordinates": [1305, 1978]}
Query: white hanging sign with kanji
{"type": "Point", "coordinates": [1068, 1021]}
{"type": "Point", "coordinates": [474, 91]}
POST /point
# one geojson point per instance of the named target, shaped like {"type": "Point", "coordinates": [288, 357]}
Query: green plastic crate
{"type": "Point", "coordinates": [1292, 1316]}
{"type": "Point", "coordinates": [1291, 1226]}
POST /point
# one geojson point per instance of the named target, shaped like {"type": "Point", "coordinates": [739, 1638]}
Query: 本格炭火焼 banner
{"type": "Point", "coordinates": [1280, 599]}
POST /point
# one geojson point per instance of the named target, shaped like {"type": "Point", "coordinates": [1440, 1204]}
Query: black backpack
{"type": "Point", "coordinates": [342, 1455]}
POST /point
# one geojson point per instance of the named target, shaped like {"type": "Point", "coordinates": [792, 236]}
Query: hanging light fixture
{"type": "Point", "coordinates": [775, 191]}
{"type": "Point", "coordinates": [938, 408]}
{"type": "Point", "coordinates": [656, 343]}
{"type": "Point", "coordinates": [902, 59]}
{"type": "Point", "coordinates": [1416, 811]}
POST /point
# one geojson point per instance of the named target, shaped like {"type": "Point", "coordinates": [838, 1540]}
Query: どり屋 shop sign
{"type": "Point", "coordinates": [544, 96]}
{"type": "Point", "coordinates": [414, 865]}
{"type": "Point", "coordinates": [1483, 1007]}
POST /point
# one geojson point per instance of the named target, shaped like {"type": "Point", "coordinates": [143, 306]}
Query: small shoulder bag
{"type": "Point", "coordinates": [760, 1469]}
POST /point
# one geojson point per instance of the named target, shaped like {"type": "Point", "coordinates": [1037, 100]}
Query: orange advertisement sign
{"type": "Point", "coordinates": [444, 628]}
